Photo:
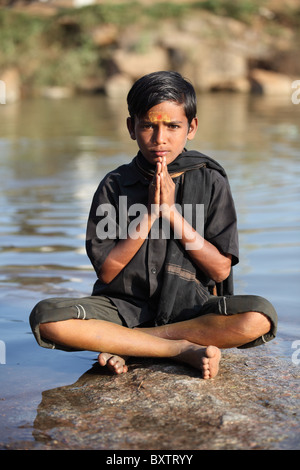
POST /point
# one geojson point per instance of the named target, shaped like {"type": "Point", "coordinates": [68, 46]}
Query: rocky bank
{"type": "Point", "coordinates": [252, 404]}
{"type": "Point", "coordinates": [215, 51]}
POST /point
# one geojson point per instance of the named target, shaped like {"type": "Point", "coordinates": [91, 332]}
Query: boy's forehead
{"type": "Point", "coordinates": [158, 116]}
{"type": "Point", "coordinates": [167, 111]}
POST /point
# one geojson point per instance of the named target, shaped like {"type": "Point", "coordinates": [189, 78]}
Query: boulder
{"type": "Point", "coordinates": [134, 64]}
{"type": "Point", "coordinates": [252, 404]}
{"type": "Point", "coordinates": [117, 86]}
{"type": "Point", "coordinates": [104, 34]}
{"type": "Point", "coordinates": [197, 53]}
{"type": "Point", "coordinates": [270, 83]}
{"type": "Point", "coordinates": [212, 68]}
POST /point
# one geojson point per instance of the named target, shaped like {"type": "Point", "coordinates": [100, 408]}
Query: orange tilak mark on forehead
{"type": "Point", "coordinates": [155, 116]}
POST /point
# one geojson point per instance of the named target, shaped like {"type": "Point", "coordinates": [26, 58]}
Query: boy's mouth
{"type": "Point", "coordinates": [160, 153]}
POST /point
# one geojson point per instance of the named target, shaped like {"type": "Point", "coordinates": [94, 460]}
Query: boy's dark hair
{"type": "Point", "coordinates": [157, 87]}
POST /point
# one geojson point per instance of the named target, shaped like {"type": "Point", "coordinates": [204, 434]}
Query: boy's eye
{"type": "Point", "coordinates": [150, 125]}
{"type": "Point", "coordinates": [147, 125]}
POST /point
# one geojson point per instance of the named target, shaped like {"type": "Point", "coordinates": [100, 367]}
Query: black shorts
{"type": "Point", "coordinates": [102, 308]}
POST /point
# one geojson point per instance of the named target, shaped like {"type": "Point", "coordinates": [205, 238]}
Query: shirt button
{"type": "Point", "coordinates": [153, 270]}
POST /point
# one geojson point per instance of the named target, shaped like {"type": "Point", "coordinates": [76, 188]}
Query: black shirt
{"type": "Point", "coordinates": [136, 289]}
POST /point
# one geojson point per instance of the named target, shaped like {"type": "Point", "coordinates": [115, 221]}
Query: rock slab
{"type": "Point", "coordinates": [252, 404]}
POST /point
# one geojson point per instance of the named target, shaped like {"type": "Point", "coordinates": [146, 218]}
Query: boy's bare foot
{"type": "Point", "coordinates": [205, 359]}
{"type": "Point", "coordinates": [113, 362]}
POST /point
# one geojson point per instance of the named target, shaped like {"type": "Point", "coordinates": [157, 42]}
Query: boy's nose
{"type": "Point", "coordinates": [160, 135]}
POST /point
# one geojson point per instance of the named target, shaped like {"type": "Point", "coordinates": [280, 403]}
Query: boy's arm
{"type": "Point", "coordinates": [125, 249]}
{"type": "Point", "coordinates": [207, 257]}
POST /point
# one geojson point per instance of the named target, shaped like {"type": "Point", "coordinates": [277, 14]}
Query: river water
{"type": "Point", "coordinates": [53, 155]}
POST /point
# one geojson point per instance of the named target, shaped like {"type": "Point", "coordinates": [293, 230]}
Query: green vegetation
{"type": "Point", "coordinates": [47, 51]}
{"type": "Point", "coordinates": [240, 10]}
{"type": "Point", "coordinates": [18, 33]}
{"type": "Point", "coordinates": [119, 14]}
{"type": "Point", "coordinates": [59, 50]}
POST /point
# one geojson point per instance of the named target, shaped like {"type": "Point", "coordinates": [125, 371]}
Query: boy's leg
{"type": "Point", "coordinates": [59, 309]}
{"type": "Point", "coordinates": [225, 323]}
{"type": "Point", "coordinates": [223, 332]}
{"type": "Point", "coordinates": [235, 321]}
{"type": "Point", "coordinates": [99, 335]}
{"type": "Point", "coordinates": [184, 341]}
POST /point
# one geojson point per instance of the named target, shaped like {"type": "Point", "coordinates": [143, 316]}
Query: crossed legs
{"type": "Point", "coordinates": [196, 342]}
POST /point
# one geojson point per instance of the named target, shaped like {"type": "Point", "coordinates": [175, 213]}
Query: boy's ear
{"type": "Point", "coordinates": [192, 129]}
{"type": "Point", "coordinates": [130, 127]}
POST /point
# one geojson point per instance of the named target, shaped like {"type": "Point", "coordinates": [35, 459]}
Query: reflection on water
{"type": "Point", "coordinates": [53, 155]}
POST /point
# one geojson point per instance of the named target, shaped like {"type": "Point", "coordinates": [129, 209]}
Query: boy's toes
{"type": "Point", "coordinates": [115, 364]}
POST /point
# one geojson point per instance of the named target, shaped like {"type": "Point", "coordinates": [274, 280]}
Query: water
{"type": "Point", "coordinates": [53, 155]}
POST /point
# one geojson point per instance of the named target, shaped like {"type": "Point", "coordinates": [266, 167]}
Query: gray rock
{"type": "Point", "coordinates": [252, 404]}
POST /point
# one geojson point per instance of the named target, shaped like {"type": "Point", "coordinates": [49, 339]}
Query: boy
{"type": "Point", "coordinates": [156, 273]}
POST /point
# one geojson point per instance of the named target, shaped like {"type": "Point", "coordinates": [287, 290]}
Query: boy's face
{"type": "Point", "coordinates": [162, 132]}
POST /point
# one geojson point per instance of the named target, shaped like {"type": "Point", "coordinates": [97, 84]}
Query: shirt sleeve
{"type": "Point", "coordinates": [102, 225]}
{"type": "Point", "coordinates": [221, 222]}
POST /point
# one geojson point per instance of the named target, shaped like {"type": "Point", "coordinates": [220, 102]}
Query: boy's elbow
{"type": "Point", "coordinates": [221, 276]}
{"type": "Point", "coordinates": [223, 271]}
{"type": "Point", "coordinates": [108, 272]}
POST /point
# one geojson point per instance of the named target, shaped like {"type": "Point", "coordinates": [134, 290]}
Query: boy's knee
{"type": "Point", "coordinates": [44, 329]}
{"type": "Point", "coordinates": [257, 314]}
{"type": "Point", "coordinates": [260, 321]}
{"type": "Point", "coordinates": [40, 310]}
{"type": "Point", "coordinates": [49, 330]}
{"type": "Point", "coordinates": [263, 314]}
{"type": "Point", "coordinates": [255, 324]}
